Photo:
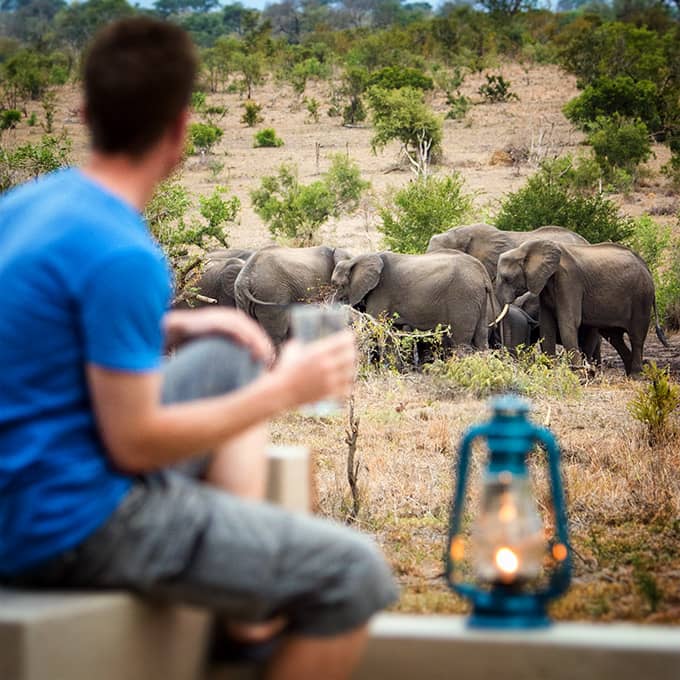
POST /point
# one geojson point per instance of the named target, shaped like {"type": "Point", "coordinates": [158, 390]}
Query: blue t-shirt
{"type": "Point", "coordinates": [82, 282]}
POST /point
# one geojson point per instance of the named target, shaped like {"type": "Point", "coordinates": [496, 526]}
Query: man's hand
{"type": "Point", "coordinates": [313, 371]}
{"type": "Point", "coordinates": [183, 324]}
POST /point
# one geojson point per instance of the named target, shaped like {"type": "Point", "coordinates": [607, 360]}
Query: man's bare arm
{"type": "Point", "coordinates": [141, 434]}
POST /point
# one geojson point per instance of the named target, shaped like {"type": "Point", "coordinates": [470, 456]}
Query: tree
{"type": "Point", "coordinates": [250, 67]}
{"type": "Point", "coordinates": [78, 22]}
{"type": "Point", "coordinates": [402, 115]}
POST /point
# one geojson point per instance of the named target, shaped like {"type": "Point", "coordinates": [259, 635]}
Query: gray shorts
{"type": "Point", "coordinates": [180, 540]}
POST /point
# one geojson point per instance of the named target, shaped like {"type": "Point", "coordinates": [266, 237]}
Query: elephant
{"type": "Point", "coordinates": [216, 282]}
{"type": "Point", "coordinates": [605, 287]}
{"type": "Point", "coordinates": [276, 277]}
{"type": "Point", "coordinates": [486, 243]}
{"type": "Point", "coordinates": [421, 290]}
{"type": "Point", "coordinates": [513, 327]}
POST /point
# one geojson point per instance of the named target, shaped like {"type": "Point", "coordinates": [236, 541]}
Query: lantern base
{"type": "Point", "coordinates": [504, 607]}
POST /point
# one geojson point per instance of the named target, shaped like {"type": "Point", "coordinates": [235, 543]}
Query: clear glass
{"type": "Point", "coordinates": [313, 322]}
{"type": "Point", "coordinates": [507, 539]}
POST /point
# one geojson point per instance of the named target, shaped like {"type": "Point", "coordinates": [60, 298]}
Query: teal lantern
{"type": "Point", "coordinates": [508, 545]}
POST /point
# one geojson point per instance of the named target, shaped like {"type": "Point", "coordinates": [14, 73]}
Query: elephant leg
{"type": "Point", "coordinates": [481, 336]}
{"type": "Point", "coordinates": [615, 337]}
{"type": "Point", "coordinates": [548, 330]}
{"type": "Point", "coordinates": [589, 342]}
{"type": "Point", "coordinates": [637, 342]}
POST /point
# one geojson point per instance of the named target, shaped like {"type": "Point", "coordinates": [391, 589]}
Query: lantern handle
{"type": "Point", "coordinates": [559, 581]}
{"type": "Point", "coordinates": [475, 432]}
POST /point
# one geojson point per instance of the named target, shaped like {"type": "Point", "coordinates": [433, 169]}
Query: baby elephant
{"type": "Point", "coordinates": [447, 288]}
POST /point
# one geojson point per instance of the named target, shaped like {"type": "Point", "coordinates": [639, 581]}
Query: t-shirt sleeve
{"type": "Point", "coordinates": [122, 304]}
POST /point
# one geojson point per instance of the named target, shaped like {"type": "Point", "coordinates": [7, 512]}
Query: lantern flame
{"type": "Point", "coordinates": [507, 561]}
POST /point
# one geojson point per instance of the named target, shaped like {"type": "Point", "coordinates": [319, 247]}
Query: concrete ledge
{"type": "Point", "coordinates": [406, 647]}
{"type": "Point", "coordinates": [83, 636]}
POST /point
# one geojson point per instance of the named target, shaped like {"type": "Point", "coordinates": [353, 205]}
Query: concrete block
{"type": "Point", "coordinates": [97, 636]}
{"type": "Point", "coordinates": [403, 647]}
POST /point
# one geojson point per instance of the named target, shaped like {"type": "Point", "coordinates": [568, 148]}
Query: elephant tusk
{"type": "Point", "coordinates": [501, 316]}
{"type": "Point", "coordinates": [205, 298]}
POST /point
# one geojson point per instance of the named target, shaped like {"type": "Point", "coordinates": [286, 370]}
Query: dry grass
{"type": "Point", "coordinates": [623, 497]}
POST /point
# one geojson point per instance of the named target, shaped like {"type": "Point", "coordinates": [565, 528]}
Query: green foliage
{"type": "Point", "coordinates": [251, 69]}
{"type": "Point", "coordinates": [343, 180]}
{"type": "Point", "coordinates": [251, 114]}
{"type": "Point", "coordinates": [295, 212]}
{"type": "Point", "coordinates": [458, 105]}
{"type": "Point", "coordinates": [304, 70]}
{"type": "Point", "coordinates": [198, 101]}
{"type": "Point", "coordinates": [530, 373]}
{"type": "Point", "coordinates": [312, 106]}
{"type": "Point", "coordinates": [292, 210]}
{"type": "Point", "coordinates": [607, 97]}
{"type": "Point", "coordinates": [267, 137]}
{"type": "Point", "coordinates": [354, 82]}
{"type": "Point", "coordinates": [621, 144]}
{"type": "Point", "coordinates": [402, 115]}
{"type": "Point", "coordinates": [9, 118]}
{"type": "Point", "coordinates": [424, 207]}
{"type": "Point", "coordinates": [661, 251]}
{"type": "Point", "coordinates": [548, 197]}
{"type": "Point", "coordinates": [31, 160]}
{"type": "Point", "coordinates": [496, 89]}
{"type": "Point", "coordinates": [32, 120]}
{"type": "Point", "coordinates": [178, 235]}
{"type": "Point", "coordinates": [394, 77]}
{"type": "Point", "coordinates": [204, 136]}
{"type": "Point", "coordinates": [49, 106]}
{"type": "Point", "coordinates": [655, 402]}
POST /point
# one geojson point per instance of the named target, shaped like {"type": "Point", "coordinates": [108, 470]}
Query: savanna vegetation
{"type": "Point", "coordinates": [378, 123]}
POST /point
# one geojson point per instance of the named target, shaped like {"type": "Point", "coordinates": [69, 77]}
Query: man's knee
{"type": "Point", "coordinates": [207, 367]}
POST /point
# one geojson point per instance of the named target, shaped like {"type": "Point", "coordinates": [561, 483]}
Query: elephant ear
{"type": "Point", "coordinates": [541, 262]}
{"type": "Point", "coordinates": [230, 270]}
{"type": "Point", "coordinates": [364, 277]}
{"type": "Point", "coordinates": [340, 254]}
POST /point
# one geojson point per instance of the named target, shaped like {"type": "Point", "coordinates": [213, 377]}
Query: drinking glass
{"type": "Point", "coordinates": [313, 322]}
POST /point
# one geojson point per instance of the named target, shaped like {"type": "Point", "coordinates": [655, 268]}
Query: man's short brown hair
{"type": "Point", "coordinates": [139, 74]}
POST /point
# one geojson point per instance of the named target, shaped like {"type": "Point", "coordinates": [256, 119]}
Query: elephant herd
{"type": "Point", "coordinates": [552, 285]}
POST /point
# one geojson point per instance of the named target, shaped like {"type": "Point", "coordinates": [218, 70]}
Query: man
{"type": "Point", "coordinates": [101, 445]}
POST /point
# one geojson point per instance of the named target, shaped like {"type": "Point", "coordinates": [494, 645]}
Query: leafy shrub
{"type": "Point", "coordinates": [354, 82]}
{"type": "Point", "coordinates": [295, 211]}
{"type": "Point", "coordinates": [530, 373]}
{"type": "Point", "coordinates": [31, 160]}
{"type": "Point", "coordinates": [292, 210]}
{"type": "Point", "coordinates": [661, 251]}
{"type": "Point", "coordinates": [424, 207]}
{"type": "Point", "coordinates": [402, 115]}
{"type": "Point", "coordinates": [394, 77]}
{"type": "Point", "coordinates": [166, 215]}
{"type": "Point", "coordinates": [304, 70]}
{"type": "Point", "coordinates": [343, 180]}
{"type": "Point", "coordinates": [549, 198]}
{"type": "Point", "coordinates": [267, 137]}
{"type": "Point", "coordinates": [251, 114]}
{"type": "Point", "coordinates": [655, 402]}
{"type": "Point", "coordinates": [607, 97]}
{"type": "Point", "coordinates": [496, 89]}
{"type": "Point", "coordinates": [204, 136]}
{"type": "Point", "coordinates": [458, 105]}
{"type": "Point", "coordinates": [198, 101]}
{"type": "Point", "coordinates": [312, 106]}
{"type": "Point", "coordinates": [9, 118]}
{"type": "Point", "coordinates": [618, 143]}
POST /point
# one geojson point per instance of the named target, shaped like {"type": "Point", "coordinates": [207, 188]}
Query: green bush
{"type": "Point", "coordinates": [394, 77]}
{"type": "Point", "coordinates": [424, 207]}
{"type": "Point", "coordinates": [9, 119]}
{"type": "Point", "coordinates": [402, 115]}
{"type": "Point", "coordinates": [267, 137]}
{"type": "Point", "coordinates": [458, 105]}
{"type": "Point", "coordinates": [354, 82]}
{"type": "Point", "coordinates": [295, 212]}
{"type": "Point", "coordinates": [619, 144]}
{"type": "Point", "coordinates": [204, 136]}
{"type": "Point", "coordinates": [304, 70]}
{"type": "Point", "coordinates": [251, 114]}
{"type": "Point", "coordinates": [549, 198]}
{"type": "Point", "coordinates": [292, 210]}
{"type": "Point", "coordinates": [496, 89]}
{"type": "Point", "coordinates": [343, 180]}
{"type": "Point", "coordinates": [31, 160]}
{"type": "Point", "coordinates": [655, 402]}
{"type": "Point", "coordinates": [607, 97]}
{"type": "Point", "coordinates": [530, 373]}
{"type": "Point", "coordinates": [312, 106]}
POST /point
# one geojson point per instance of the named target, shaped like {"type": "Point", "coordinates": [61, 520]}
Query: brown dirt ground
{"type": "Point", "coordinates": [624, 496]}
